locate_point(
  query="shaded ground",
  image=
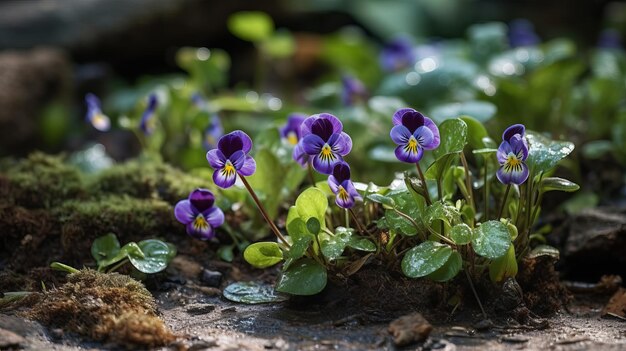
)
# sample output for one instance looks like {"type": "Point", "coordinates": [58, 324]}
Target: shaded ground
{"type": "Point", "coordinates": [209, 322]}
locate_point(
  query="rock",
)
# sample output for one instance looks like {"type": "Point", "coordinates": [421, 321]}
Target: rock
{"type": "Point", "coordinates": [211, 278]}
{"type": "Point", "coordinates": [616, 307]}
{"type": "Point", "coordinates": [599, 236]}
{"type": "Point", "coordinates": [10, 340]}
{"type": "Point", "coordinates": [29, 80]}
{"type": "Point", "coordinates": [200, 309]}
{"type": "Point", "coordinates": [187, 267]}
{"type": "Point", "coordinates": [410, 329]}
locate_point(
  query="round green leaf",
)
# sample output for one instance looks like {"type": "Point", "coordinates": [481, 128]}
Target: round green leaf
{"type": "Point", "coordinates": [461, 234]}
{"type": "Point", "coordinates": [105, 247]}
{"type": "Point", "coordinates": [312, 203]}
{"type": "Point", "coordinates": [425, 258]}
{"type": "Point", "coordinates": [453, 137]}
{"type": "Point", "coordinates": [156, 256]}
{"type": "Point", "coordinates": [251, 25]}
{"type": "Point", "coordinates": [449, 270]}
{"type": "Point", "coordinates": [313, 225]}
{"type": "Point", "coordinates": [361, 244]}
{"type": "Point", "coordinates": [475, 132]}
{"type": "Point", "coordinates": [263, 255]}
{"type": "Point", "coordinates": [491, 239]}
{"type": "Point", "coordinates": [281, 44]}
{"type": "Point", "coordinates": [299, 247]}
{"type": "Point", "coordinates": [560, 184]}
{"type": "Point", "coordinates": [303, 277]}
{"type": "Point", "coordinates": [381, 199]}
{"type": "Point", "coordinates": [253, 293]}
{"type": "Point", "coordinates": [333, 247]}
{"type": "Point", "coordinates": [544, 154]}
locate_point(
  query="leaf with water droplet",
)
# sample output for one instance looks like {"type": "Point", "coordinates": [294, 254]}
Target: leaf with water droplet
{"type": "Point", "coordinates": [263, 254]}
{"type": "Point", "coordinates": [253, 293]}
{"type": "Point", "coordinates": [425, 258]}
{"type": "Point", "coordinates": [544, 154]}
{"type": "Point", "coordinates": [156, 256]}
{"type": "Point", "coordinates": [491, 239]}
{"type": "Point", "coordinates": [303, 277]}
{"type": "Point", "coordinates": [449, 270]}
{"type": "Point", "coordinates": [461, 234]}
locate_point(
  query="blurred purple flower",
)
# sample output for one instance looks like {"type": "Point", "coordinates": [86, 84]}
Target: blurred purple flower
{"type": "Point", "coordinates": [397, 54]}
{"type": "Point", "coordinates": [149, 119]}
{"type": "Point", "coordinates": [199, 215]}
{"type": "Point", "coordinates": [291, 133]}
{"type": "Point", "coordinates": [353, 90]}
{"type": "Point", "coordinates": [413, 133]}
{"type": "Point", "coordinates": [323, 139]}
{"type": "Point", "coordinates": [341, 185]}
{"type": "Point", "coordinates": [212, 133]}
{"type": "Point", "coordinates": [522, 33]}
{"type": "Point", "coordinates": [610, 39]}
{"type": "Point", "coordinates": [512, 153]}
{"type": "Point", "coordinates": [231, 158]}
{"type": "Point", "coordinates": [94, 113]}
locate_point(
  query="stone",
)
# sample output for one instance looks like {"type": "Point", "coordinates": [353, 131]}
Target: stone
{"type": "Point", "coordinates": [410, 329]}
{"type": "Point", "coordinates": [211, 278]}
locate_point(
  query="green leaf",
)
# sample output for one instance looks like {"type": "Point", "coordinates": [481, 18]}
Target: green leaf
{"type": "Point", "coordinates": [461, 234]}
{"type": "Point", "coordinates": [303, 277]}
{"type": "Point", "coordinates": [476, 132]}
{"type": "Point", "coordinates": [333, 247]}
{"type": "Point", "coordinates": [425, 259]}
{"type": "Point", "coordinates": [263, 254]}
{"type": "Point", "coordinates": [312, 203]}
{"type": "Point", "coordinates": [361, 244]}
{"type": "Point", "coordinates": [503, 267]}
{"type": "Point", "coordinates": [156, 256]}
{"type": "Point", "coordinates": [313, 225]}
{"type": "Point", "coordinates": [105, 247]}
{"type": "Point", "coordinates": [491, 239]}
{"type": "Point", "coordinates": [481, 111]}
{"type": "Point", "coordinates": [280, 45]}
{"type": "Point", "coordinates": [544, 154]}
{"type": "Point", "coordinates": [440, 211]}
{"type": "Point", "coordinates": [544, 250]}
{"type": "Point", "coordinates": [251, 25]}
{"type": "Point", "coordinates": [555, 183]}
{"type": "Point", "coordinates": [299, 246]}
{"type": "Point", "coordinates": [386, 201]}
{"type": "Point", "coordinates": [449, 270]}
{"type": "Point", "coordinates": [225, 253]}
{"type": "Point", "coordinates": [453, 134]}
{"type": "Point", "coordinates": [253, 293]}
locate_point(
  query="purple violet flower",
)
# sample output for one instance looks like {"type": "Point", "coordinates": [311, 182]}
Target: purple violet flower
{"type": "Point", "coordinates": [212, 133]}
{"type": "Point", "coordinates": [522, 33]}
{"type": "Point", "coordinates": [291, 133]}
{"type": "Point", "coordinates": [342, 186]}
{"type": "Point", "coordinates": [231, 158]}
{"type": "Point", "coordinates": [397, 54]}
{"type": "Point", "coordinates": [512, 153]}
{"type": "Point", "coordinates": [413, 133]}
{"type": "Point", "coordinates": [353, 90]}
{"type": "Point", "coordinates": [149, 118]}
{"type": "Point", "coordinates": [94, 113]}
{"type": "Point", "coordinates": [323, 139]}
{"type": "Point", "coordinates": [610, 39]}
{"type": "Point", "coordinates": [199, 215]}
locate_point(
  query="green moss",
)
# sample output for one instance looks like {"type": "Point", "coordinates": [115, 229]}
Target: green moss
{"type": "Point", "coordinates": [40, 181]}
{"type": "Point", "coordinates": [148, 180]}
{"type": "Point", "coordinates": [105, 307]}
{"type": "Point", "coordinates": [129, 218]}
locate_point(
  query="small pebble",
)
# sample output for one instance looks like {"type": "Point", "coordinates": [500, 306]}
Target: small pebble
{"type": "Point", "coordinates": [211, 278]}
{"type": "Point", "coordinates": [485, 324]}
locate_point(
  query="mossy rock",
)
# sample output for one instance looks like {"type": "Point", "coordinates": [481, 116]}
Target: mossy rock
{"type": "Point", "coordinates": [148, 179]}
{"type": "Point", "coordinates": [129, 218]}
{"type": "Point", "coordinates": [40, 181]}
{"type": "Point", "coordinates": [109, 307]}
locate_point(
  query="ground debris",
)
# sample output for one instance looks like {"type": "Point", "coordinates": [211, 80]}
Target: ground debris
{"type": "Point", "coordinates": [410, 329]}
{"type": "Point", "coordinates": [10, 340]}
{"type": "Point", "coordinates": [616, 307]}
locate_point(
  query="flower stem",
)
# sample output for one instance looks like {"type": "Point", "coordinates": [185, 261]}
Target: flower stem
{"type": "Point", "coordinates": [424, 186]}
{"type": "Point", "coordinates": [358, 224]}
{"type": "Point", "coordinates": [468, 183]}
{"type": "Point", "coordinates": [347, 217]}
{"type": "Point", "coordinates": [506, 195]}
{"type": "Point", "coordinates": [118, 265]}
{"type": "Point", "coordinates": [310, 173]}
{"type": "Point", "coordinates": [471, 284]}
{"type": "Point", "coordinates": [263, 211]}
{"type": "Point", "coordinates": [486, 186]}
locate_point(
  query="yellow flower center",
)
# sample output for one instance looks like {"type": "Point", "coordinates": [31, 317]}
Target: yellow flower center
{"type": "Point", "coordinates": [327, 153]}
{"type": "Point", "coordinates": [412, 145]}
{"type": "Point", "coordinates": [343, 194]}
{"type": "Point", "coordinates": [200, 223]}
{"type": "Point", "coordinates": [292, 138]}
{"type": "Point", "coordinates": [513, 163]}
{"type": "Point", "coordinates": [228, 169]}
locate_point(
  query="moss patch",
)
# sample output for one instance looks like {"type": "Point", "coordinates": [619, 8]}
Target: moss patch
{"type": "Point", "coordinates": [105, 307]}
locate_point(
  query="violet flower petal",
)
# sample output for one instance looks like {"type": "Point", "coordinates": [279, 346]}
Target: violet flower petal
{"type": "Point", "coordinates": [184, 212]}
{"type": "Point", "coordinates": [201, 199]}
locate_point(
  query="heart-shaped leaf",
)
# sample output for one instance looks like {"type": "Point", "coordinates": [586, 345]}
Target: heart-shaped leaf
{"type": "Point", "coordinates": [449, 270]}
{"type": "Point", "coordinates": [491, 239]}
{"type": "Point", "coordinates": [263, 254]}
{"type": "Point", "coordinates": [253, 293]}
{"type": "Point", "coordinates": [303, 277]}
{"type": "Point", "coordinates": [425, 258]}
{"type": "Point", "coordinates": [156, 256]}
{"type": "Point", "coordinates": [105, 247]}
{"type": "Point", "coordinates": [544, 154]}
{"type": "Point", "coordinates": [299, 247]}
{"type": "Point", "coordinates": [333, 247]}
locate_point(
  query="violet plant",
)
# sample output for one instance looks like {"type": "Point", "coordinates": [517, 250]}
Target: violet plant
{"type": "Point", "coordinates": [435, 224]}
